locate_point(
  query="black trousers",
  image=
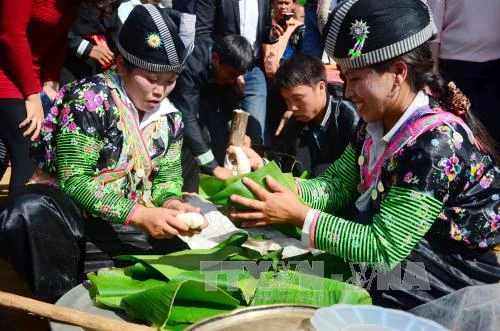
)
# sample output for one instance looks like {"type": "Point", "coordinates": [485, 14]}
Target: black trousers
{"type": "Point", "coordinates": [51, 243]}
{"type": "Point", "coordinates": [13, 112]}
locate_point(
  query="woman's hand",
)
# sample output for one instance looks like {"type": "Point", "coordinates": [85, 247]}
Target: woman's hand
{"type": "Point", "coordinates": [102, 54]}
{"type": "Point", "coordinates": [222, 173]}
{"type": "Point", "coordinates": [161, 223]}
{"type": "Point", "coordinates": [184, 207]}
{"type": "Point", "coordinates": [50, 88]}
{"type": "Point", "coordinates": [34, 116]}
{"type": "Point", "coordinates": [278, 206]}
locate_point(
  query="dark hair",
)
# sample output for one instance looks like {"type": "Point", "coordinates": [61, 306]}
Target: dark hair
{"type": "Point", "coordinates": [234, 51]}
{"type": "Point", "coordinates": [129, 66]}
{"type": "Point", "coordinates": [105, 7]}
{"type": "Point", "coordinates": [300, 69]}
{"type": "Point", "coordinates": [421, 74]}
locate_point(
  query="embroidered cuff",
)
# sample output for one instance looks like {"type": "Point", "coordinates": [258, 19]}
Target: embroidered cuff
{"type": "Point", "coordinates": [204, 158]}
{"type": "Point", "coordinates": [298, 188]}
{"type": "Point", "coordinates": [309, 227]}
{"type": "Point", "coordinates": [131, 214]}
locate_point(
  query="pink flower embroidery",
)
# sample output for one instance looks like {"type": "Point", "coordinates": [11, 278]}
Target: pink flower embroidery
{"type": "Point", "coordinates": [452, 168]}
{"type": "Point", "coordinates": [105, 209]}
{"type": "Point", "coordinates": [485, 182]}
{"type": "Point", "coordinates": [54, 111]}
{"type": "Point", "coordinates": [90, 106]}
{"type": "Point", "coordinates": [49, 126]}
{"type": "Point", "coordinates": [72, 126]}
{"type": "Point", "coordinates": [92, 100]}
{"type": "Point", "coordinates": [65, 111]}
{"type": "Point", "coordinates": [98, 100]}
{"type": "Point", "coordinates": [89, 95]}
{"type": "Point", "coordinates": [495, 223]}
{"type": "Point", "coordinates": [408, 177]}
{"type": "Point", "coordinates": [442, 216]}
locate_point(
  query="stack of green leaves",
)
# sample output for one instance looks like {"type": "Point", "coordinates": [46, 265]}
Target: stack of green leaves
{"type": "Point", "coordinates": [175, 290]}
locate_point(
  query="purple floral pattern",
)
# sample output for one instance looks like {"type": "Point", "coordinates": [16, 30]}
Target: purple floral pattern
{"type": "Point", "coordinates": [446, 163]}
{"type": "Point", "coordinates": [86, 119]}
{"type": "Point", "coordinates": [452, 167]}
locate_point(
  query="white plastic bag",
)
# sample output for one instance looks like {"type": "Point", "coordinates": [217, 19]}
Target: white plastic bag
{"type": "Point", "coordinates": [471, 308]}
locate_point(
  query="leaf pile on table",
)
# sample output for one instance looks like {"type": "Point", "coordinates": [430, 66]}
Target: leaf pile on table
{"type": "Point", "coordinates": [176, 290]}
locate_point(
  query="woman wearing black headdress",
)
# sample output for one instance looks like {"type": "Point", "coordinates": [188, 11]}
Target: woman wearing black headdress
{"type": "Point", "coordinates": [111, 145]}
{"type": "Point", "coordinates": [421, 173]}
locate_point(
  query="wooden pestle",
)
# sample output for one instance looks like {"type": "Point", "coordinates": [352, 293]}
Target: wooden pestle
{"type": "Point", "coordinates": [67, 315]}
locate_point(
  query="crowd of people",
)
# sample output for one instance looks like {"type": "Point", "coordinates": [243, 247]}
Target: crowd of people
{"type": "Point", "coordinates": [111, 109]}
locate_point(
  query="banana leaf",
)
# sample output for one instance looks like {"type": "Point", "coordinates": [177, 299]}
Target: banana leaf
{"type": "Point", "coordinates": [159, 305]}
{"type": "Point", "coordinates": [111, 285]}
{"type": "Point", "coordinates": [218, 191]}
{"type": "Point", "coordinates": [178, 293]}
{"type": "Point", "coordinates": [289, 286]}
{"type": "Point", "coordinates": [207, 265]}
{"type": "Point", "coordinates": [176, 263]}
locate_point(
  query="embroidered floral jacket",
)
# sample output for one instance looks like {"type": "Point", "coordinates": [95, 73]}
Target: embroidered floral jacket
{"type": "Point", "coordinates": [92, 147]}
{"type": "Point", "coordinates": [432, 175]}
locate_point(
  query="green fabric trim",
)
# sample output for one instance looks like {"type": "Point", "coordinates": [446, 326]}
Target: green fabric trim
{"type": "Point", "coordinates": [77, 157]}
{"type": "Point", "coordinates": [404, 218]}
{"type": "Point", "coordinates": [336, 188]}
{"type": "Point", "coordinates": [168, 182]}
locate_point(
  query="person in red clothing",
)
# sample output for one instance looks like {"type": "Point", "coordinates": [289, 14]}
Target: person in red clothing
{"type": "Point", "coordinates": [33, 37]}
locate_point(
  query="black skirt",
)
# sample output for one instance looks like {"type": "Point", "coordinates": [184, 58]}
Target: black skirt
{"type": "Point", "coordinates": [51, 243]}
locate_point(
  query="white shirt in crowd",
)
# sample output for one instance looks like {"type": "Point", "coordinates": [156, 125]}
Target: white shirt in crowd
{"type": "Point", "coordinates": [249, 20]}
{"type": "Point", "coordinates": [126, 8]}
{"type": "Point", "coordinates": [468, 30]}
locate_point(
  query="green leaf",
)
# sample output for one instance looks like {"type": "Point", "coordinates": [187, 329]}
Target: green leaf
{"type": "Point", "coordinates": [141, 270]}
{"type": "Point", "coordinates": [176, 263]}
{"type": "Point", "coordinates": [156, 305]}
{"type": "Point", "coordinates": [218, 191]}
{"type": "Point", "coordinates": [111, 285]}
{"type": "Point", "coordinates": [296, 287]}
{"type": "Point", "coordinates": [192, 294]}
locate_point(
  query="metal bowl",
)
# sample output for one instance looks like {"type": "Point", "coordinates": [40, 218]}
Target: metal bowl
{"type": "Point", "coordinates": [78, 298]}
{"type": "Point", "coordinates": [277, 317]}
{"type": "Point", "coordinates": [266, 317]}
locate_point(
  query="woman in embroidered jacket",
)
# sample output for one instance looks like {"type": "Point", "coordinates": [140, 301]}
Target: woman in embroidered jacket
{"type": "Point", "coordinates": [424, 185]}
{"type": "Point", "coordinates": [112, 144]}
